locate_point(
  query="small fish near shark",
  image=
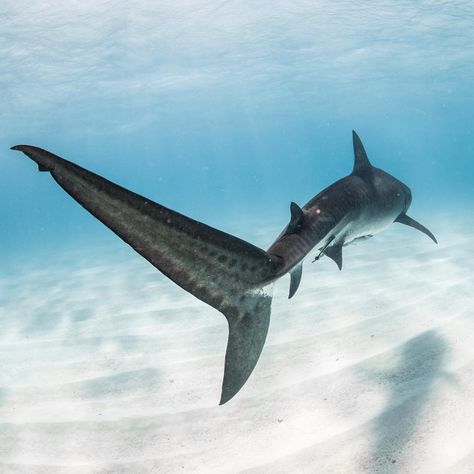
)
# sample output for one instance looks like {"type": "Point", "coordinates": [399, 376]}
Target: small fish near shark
{"type": "Point", "coordinates": [229, 274]}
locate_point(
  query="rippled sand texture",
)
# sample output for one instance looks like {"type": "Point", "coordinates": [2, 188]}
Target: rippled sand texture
{"type": "Point", "coordinates": [106, 366]}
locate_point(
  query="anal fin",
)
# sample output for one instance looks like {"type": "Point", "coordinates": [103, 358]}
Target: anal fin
{"type": "Point", "coordinates": [295, 279]}
{"type": "Point", "coordinates": [407, 220]}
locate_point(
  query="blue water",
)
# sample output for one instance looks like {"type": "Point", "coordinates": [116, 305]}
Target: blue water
{"type": "Point", "coordinates": [227, 111]}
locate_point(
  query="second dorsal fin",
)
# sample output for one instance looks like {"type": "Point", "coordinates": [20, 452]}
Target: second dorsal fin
{"type": "Point", "coordinates": [296, 219]}
{"type": "Point", "coordinates": [361, 162]}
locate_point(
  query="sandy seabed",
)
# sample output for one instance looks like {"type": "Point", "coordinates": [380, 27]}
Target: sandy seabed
{"type": "Point", "coordinates": [107, 366]}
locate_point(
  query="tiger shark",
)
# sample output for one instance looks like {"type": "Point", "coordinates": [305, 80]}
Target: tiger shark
{"type": "Point", "coordinates": [230, 274]}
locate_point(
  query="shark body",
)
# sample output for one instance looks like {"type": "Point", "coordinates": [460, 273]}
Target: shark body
{"type": "Point", "coordinates": [229, 274]}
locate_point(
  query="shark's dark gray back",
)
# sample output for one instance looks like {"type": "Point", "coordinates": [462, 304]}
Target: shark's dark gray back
{"type": "Point", "coordinates": [368, 195]}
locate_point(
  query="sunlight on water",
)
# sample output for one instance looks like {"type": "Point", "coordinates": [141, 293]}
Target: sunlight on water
{"type": "Point", "coordinates": [227, 111]}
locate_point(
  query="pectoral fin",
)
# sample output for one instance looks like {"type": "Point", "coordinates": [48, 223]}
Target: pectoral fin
{"type": "Point", "coordinates": [407, 220]}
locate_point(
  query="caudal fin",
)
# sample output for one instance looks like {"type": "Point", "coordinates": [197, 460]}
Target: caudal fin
{"type": "Point", "coordinates": [248, 327]}
{"type": "Point", "coordinates": [222, 270]}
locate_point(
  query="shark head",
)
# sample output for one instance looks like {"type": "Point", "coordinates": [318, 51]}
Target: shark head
{"type": "Point", "coordinates": [383, 182]}
{"type": "Point", "coordinates": [407, 195]}
{"type": "Point", "coordinates": [400, 193]}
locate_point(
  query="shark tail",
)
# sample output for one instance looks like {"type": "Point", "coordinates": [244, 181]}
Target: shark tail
{"type": "Point", "coordinates": [224, 271]}
{"type": "Point", "coordinates": [248, 328]}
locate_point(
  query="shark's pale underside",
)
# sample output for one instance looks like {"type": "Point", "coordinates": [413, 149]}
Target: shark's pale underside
{"type": "Point", "coordinates": [229, 274]}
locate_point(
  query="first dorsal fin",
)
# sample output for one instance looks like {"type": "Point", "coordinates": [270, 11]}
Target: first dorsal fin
{"type": "Point", "coordinates": [296, 218]}
{"type": "Point", "coordinates": [361, 162]}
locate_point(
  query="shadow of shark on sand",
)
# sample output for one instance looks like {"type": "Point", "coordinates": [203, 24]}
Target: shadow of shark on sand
{"type": "Point", "coordinates": [410, 386]}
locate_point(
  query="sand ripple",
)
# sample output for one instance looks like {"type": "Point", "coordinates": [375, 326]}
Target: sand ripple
{"type": "Point", "coordinates": [108, 367]}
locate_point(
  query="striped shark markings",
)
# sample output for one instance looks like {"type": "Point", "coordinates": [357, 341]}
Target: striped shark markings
{"type": "Point", "coordinates": [228, 273]}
